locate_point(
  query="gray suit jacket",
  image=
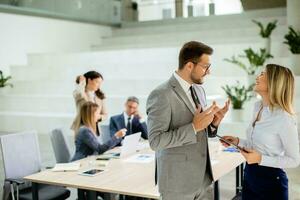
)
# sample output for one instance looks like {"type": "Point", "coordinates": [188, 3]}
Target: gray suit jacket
{"type": "Point", "coordinates": [181, 155]}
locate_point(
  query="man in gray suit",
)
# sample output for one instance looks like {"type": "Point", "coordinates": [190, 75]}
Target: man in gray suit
{"type": "Point", "coordinates": [178, 127]}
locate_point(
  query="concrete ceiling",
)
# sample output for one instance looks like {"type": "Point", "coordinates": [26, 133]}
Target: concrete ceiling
{"type": "Point", "coordinates": [262, 4]}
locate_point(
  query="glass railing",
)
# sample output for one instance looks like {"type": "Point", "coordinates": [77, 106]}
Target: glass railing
{"type": "Point", "coordinates": [168, 9]}
{"type": "Point", "coordinates": [114, 12]}
{"type": "Point", "coordinates": [91, 11]}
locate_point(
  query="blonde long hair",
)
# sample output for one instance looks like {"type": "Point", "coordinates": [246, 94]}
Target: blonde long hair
{"type": "Point", "coordinates": [87, 116]}
{"type": "Point", "coordinates": [281, 86]}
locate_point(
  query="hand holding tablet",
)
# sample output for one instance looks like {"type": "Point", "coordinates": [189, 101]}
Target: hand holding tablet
{"type": "Point", "coordinates": [230, 142]}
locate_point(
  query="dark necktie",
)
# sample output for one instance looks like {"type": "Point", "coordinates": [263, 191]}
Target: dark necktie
{"type": "Point", "coordinates": [129, 127]}
{"type": "Point", "coordinates": [195, 97]}
{"type": "Point", "coordinates": [196, 100]}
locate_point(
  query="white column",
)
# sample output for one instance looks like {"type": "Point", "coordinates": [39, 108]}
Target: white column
{"type": "Point", "coordinates": [293, 13]}
{"type": "Point", "coordinates": [179, 8]}
{"type": "Point", "coordinates": [293, 19]}
{"type": "Point", "coordinates": [126, 10]}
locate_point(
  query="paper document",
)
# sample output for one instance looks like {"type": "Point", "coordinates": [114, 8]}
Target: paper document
{"type": "Point", "coordinates": [62, 167]}
{"type": "Point", "coordinates": [141, 158]}
{"type": "Point", "coordinates": [102, 163]}
{"type": "Point", "coordinates": [213, 162]}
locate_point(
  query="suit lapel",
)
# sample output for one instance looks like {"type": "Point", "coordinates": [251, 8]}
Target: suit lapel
{"type": "Point", "coordinates": [181, 93]}
{"type": "Point", "coordinates": [122, 120]}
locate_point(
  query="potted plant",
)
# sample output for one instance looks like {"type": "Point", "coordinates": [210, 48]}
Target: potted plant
{"type": "Point", "coordinates": [292, 38]}
{"type": "Point", "coordinates": [4, 82]}
{"type": "Point", "coordinates": [265, 32]}
{"type": "Point", "coordinates": [255, 59]}
{"type": "Point", "coordinates": [238, 95]}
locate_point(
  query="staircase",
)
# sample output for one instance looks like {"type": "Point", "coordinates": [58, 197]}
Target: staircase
{"type": "Point", "coordinates": [133, 61]}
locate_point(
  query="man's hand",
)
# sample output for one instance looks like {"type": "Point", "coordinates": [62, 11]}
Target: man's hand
{"type": "Point", "coordinates": [138, 114]}
{"type": "Point", "coordinates": [203, 119]}
{"type": "Point", "coordinates": [221, 114]}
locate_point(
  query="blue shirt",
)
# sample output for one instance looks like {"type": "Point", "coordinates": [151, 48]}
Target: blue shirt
{"type": "Point", "coordinates": [275, 136]}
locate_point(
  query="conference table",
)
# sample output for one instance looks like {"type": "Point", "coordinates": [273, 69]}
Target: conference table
{"type": "Point", "coordinates": [126, 177]}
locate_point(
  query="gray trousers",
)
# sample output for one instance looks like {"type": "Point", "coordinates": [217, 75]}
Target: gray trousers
{"type": "Point", "coordinates": [201, 194]}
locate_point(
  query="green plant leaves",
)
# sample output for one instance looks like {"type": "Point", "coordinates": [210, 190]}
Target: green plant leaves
{"type": "Point", "coordinates": [266, 32]}
{"type": "Point", "coordinates": [238, 94]}
{"type": "Point", "coordinates": [4, 80]}
{"type": "Point", "coordinates": [255, 59]}
{"type": "Point", "coordinates": [292, 38]}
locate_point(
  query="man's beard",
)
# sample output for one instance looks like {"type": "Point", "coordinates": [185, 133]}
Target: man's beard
{"type": "Point", "coordinates": [197, 81]}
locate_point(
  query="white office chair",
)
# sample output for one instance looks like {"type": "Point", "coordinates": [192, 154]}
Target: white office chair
{"type": "Point", "coordinates": [21, 157]}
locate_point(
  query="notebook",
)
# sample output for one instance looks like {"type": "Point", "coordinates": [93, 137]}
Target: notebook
{"type": "Point", "coordinates": [63, 167]}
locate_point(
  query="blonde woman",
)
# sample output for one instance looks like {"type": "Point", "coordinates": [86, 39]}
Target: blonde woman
{"type": "Point", "coordinates": [88, 89]}
{"type": "Point", "coordinates": [272, 137]}
{"type": "Point", "coordinates": [86, 142]}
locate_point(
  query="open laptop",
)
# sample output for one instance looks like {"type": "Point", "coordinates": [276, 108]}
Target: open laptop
{"type": "Point", "coordinates": [130, 144]}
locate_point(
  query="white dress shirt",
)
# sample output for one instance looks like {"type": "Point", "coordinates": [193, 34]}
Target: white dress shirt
{"type": "Point", "coordinates": [126, 118]}
{"type": "Point", "coordinates": [201, 95]}
{"type": "Point", "coordinates": [275, 136]}
{"type": "Point", "coordinates": [186, 88]}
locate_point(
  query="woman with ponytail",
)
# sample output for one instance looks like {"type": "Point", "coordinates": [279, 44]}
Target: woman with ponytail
{"type": "Point", "coordinates": [88, 90]}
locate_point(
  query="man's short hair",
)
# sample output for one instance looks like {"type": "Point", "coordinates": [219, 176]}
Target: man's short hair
{"type": "Point", "coordinates": [192, 51]}
{"type": "Point", "coordinates": [133, 99]}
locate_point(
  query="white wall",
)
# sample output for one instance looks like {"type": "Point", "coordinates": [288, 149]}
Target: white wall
{"type": "Point", "coordinates": [20, 35]}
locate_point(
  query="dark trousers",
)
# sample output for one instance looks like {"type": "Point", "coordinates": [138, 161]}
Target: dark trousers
{"type": "Point", "coordinates": [264, 183]}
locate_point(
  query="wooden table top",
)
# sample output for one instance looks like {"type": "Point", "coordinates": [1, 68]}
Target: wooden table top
{"type": "Point", "coordinates": [121, 177]}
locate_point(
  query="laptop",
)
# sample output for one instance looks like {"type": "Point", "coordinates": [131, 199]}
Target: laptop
{"type": "Point", "coordinates": [130, 144]}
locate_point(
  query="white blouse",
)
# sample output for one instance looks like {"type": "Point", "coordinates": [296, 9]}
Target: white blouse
{"type": "Point", "coordinates": [275, 136]}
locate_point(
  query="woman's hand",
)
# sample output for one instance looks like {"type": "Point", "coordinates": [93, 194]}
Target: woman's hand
{"type": "Point", "coordinates": [252, 157]}
{"type": "Point", "coordinates": [234, 140]}
{"type": "Point", "coordinates": [81, 78]}
{"type": "Point", "coordinates": [121, 133]}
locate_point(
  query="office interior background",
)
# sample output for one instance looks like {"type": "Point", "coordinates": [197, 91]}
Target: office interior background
{"type": "Point", "coordinates": [45, 44]}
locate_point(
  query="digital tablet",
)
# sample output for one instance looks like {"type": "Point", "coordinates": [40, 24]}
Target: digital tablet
{"type": "Point", "coordinates": [230, 143]}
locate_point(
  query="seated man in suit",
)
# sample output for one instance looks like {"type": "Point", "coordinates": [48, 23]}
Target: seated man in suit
{"type": "Point", "coordinates": [130, 119]}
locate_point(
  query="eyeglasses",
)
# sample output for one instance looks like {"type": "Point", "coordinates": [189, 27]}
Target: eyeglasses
{"type": "Point", "coordinates": [206, 67]}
